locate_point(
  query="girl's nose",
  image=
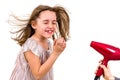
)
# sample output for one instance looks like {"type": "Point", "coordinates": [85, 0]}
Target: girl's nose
{"type": "Point", "coordinates": [50, 25]}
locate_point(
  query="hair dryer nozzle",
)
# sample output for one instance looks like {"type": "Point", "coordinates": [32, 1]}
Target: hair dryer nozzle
{"type": "Point", "coordinates": [108, 51]}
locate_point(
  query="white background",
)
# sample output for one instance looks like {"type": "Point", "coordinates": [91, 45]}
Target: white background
{"type": "Point", "coordinates": [97, 20]}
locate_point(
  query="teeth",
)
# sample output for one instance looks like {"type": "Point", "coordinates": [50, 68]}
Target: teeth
{"type": "Point", "coordinates": [49, 31]}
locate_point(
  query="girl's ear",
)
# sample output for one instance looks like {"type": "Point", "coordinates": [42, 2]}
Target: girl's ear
{"type": "Point", "coordinates": [33, 24]}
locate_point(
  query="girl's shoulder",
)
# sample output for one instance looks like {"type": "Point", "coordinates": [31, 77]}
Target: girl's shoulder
{"type": "Point", "coordinates": [30, 40]}
{"type": "Point", "coordinates": [31, 45]}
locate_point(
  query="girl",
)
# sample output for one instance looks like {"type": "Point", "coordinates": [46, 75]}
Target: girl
{"type": "Point", "coordinates": [37, 55]}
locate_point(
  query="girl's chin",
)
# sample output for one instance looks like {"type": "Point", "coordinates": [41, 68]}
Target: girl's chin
{"type": "Point", "coordinates": [48, 36]}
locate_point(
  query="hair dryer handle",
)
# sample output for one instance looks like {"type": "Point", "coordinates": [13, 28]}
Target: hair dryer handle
{"type": "Point", "coordinates": [100, 70]}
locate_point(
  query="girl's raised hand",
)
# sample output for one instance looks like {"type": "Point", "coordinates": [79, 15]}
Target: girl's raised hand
{"type": "Point", "coordinates": [59, 46]}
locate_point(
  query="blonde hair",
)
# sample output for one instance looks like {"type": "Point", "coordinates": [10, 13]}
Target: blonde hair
{"type": "Point", "coordinates": [27, 31]}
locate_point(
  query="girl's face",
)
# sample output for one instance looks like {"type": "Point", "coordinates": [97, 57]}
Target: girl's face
{"type": "Point", "coordinates": [46, 24]}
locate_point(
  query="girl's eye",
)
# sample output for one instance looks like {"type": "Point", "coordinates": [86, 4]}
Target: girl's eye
{"type": "Point", "coordinates": [54, 23]}
{"type": "Point", "coordinates": [45, 22]}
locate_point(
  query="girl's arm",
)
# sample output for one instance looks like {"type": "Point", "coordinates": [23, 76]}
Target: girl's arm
{"type": "Point", "coordinates": [34, 62]}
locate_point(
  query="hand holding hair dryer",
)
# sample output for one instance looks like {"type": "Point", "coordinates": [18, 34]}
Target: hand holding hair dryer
{"type": "Point", "coordinates": [109, 52]}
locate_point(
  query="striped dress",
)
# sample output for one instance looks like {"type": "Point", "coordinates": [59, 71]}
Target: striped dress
{"type": "Point", "coordinates": [22, 70]}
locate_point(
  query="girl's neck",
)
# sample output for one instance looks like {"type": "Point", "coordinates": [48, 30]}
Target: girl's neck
{"type": "Point", "coordinates": [42, 41]}
{"type": "Point", "coordinates": [39, 38]}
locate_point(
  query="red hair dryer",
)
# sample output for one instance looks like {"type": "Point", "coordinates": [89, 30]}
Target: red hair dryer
{"type": "Point", "coordinates": [109, 52]}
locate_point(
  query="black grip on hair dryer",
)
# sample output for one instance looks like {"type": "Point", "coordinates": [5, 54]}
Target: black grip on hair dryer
{"type": "Point", "coordinates": [109, 52]}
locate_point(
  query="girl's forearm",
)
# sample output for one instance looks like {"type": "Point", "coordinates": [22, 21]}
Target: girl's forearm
{"type": "Point", "coordinates": [44, 68]}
